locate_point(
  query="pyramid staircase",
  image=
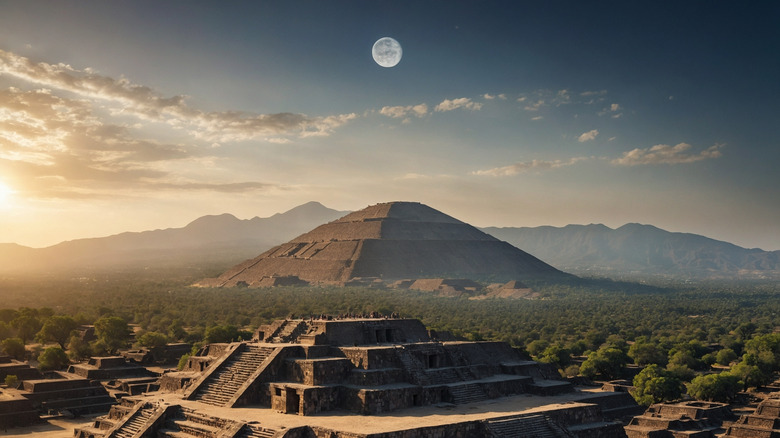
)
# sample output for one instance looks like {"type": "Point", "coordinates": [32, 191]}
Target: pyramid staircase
{"type": "Point", "coordinates": [187, 423]}
{"type": "Point", "coordinates": [413, 367]}
{"type": "Point", "coordinates": [288, 331]}
{"type": "Point", "coordinates": [136, 423]}
{"type": "Point", "coordinates": [536, 426]}
{"type": "Point", "coordinates": [222, 385]}
{"type": "Point", "coordinates": [467, 393]}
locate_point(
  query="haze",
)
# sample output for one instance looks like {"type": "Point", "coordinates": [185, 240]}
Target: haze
{"type": "Point", "coordinates": [141, 115]}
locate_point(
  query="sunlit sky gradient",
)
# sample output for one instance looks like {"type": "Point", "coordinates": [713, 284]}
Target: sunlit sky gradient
{"type": "Point", "coordinates": [129, 116]}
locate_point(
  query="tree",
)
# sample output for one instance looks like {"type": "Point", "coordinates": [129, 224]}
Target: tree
{"type": "Point", "coordinates": [155, 342]}
{"type": "Point", "coordinates": [13, 347]}
{"type": "Point", "coordinates": [221, 333]}
{"type": "Point", "coordinates": [26, 325]}
{"type": "Point", "coordinates": [607, 362]}
{"type": "Point", "coordinates": [721, 387]}
{"type": "Point", "coordinates": [58, 329]}
{"type": "Point", "coordinates": [725, 356]}
{"type": "Point", "coordinates": [112, 333]}
{"type": "Point", "coordinates": [653, 385]}
{"type": "Point", "coordinates": [52, 358]}
{"type": "Point", "coordinates": [646, 353]}
{"type": "Point", "coordinates": [556, 354]}
{"type": "Point", "coordinates": [750, 375]}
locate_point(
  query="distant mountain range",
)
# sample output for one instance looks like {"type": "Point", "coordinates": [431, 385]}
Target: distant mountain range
{"type": "Point", "coordinates": [213, 243]}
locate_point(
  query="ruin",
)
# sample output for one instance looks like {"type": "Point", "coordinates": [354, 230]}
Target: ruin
{"type": "Point", "coordinates": [390, 241]}
{"type": "Point", "coordinates": [763, 423]}
{"type": "Point", "coordinates": [302, 377]}
{"type": "Point", "coordinates": [684, 419]}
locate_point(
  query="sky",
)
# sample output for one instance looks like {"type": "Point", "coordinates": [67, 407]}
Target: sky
{"type": "Point", "coordinates": [132, 116]}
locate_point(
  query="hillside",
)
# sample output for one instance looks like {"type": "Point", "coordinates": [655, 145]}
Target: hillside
{"type": "Point", "coordinates": [215, 243]}
{"type": "Point", "coordinates": [640, 250]}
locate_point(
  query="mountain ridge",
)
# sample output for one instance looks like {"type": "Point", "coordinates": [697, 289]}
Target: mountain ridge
{"type": "Point", "coordinates": [222, 240]}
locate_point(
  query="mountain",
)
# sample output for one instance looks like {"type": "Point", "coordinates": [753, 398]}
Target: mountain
{"type": "Point", "coordinates": [640, 250]}
{"type": "Point", "coordinates": [214, 243]}
{"type": "Point", "coordinates": [220, 240]}
{"type": "Point", "coordinates": [391, 241]}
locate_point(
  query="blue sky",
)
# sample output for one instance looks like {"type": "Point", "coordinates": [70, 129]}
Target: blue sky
{"type": "Point", "coordinates": [142, 115]}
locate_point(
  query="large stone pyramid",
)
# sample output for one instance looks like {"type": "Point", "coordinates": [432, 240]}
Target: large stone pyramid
{"type": "Point", "coordinates": [395, 240]}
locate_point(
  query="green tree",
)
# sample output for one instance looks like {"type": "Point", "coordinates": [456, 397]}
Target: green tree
{"type": "Point", "coordinates": [52, 358]}
{"type": "Point", "coordinates": [556, 354]}
{"type": "Point", "coordinates": [646, 353]}
{"type": "Point", "coordinates": [112, 333]}
{"type": "Point", "coordinates": [14, 347]}
{"type": "Point", "coordinates": [78, 349]}
{"type": "Point", "coordinates": [221, 333]}
{"type": "Point", "coordinates": [721, 387]}
{"type": "Point", "coordinates": [155, 342]}
{"type": "Point", "coordinates": [750, 375]}
{"type": "Point", "coordinates": [26, 325]}
{"type": "Point", "coordinates": [606, 362]}
{"type": "Point", "coordinates": [57, 328]}
{"type": "Point", "coordinates": [653, 385]}
{"type": "Point", "coordinates": [725, 356]}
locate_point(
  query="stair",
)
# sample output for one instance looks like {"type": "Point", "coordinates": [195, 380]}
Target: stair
{"type": "Point", "coordinates": [189, 425]}
{"type": "Point", "coordinates": [537, 426]}
{"type": "Point", "coordinates": [413, 367]}
{"type": "Point", "coordinates": [441, 376]}
{"type": "Point", "coordinates": [289, 331]}
{"type": "Point", "coordinates": [223, 383]}
{"type": "Point", "coordinates": [135, 424]}
{"type": "Point", "coordinates": [467, 393]}
{"type": "Point", "coordinates": [255, 432]}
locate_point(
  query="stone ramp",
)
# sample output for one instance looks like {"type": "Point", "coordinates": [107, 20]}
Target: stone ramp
{"type": "Point", "coordinates": [222, 385]}
{"type": "Point", "coordinates": [536, 426]}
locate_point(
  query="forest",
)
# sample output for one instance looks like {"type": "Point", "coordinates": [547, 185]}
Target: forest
{"type": "Point", "coordinates": [709, 339]}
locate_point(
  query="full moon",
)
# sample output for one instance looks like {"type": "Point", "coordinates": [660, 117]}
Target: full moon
{"type": "Point", "coordinates": [387, 52]}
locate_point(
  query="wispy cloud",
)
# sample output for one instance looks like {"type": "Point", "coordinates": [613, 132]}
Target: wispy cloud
{"type": "Point", "coordinates": [665, 154]}
{"type": "Point", "coordinates": [514, 169]}
{"type": "Point", "coordinates": [488, 96]}
{"type": "Point", "coordinates": [614, 110]}
{"type": "Point", "coordinates": [146, 103]}
{"type": "Point", "coordinates": [400, 112]}
{"type": "Point", "coordinates": [453, 104]}
{"type": "Point", "coordinates": [588, 136]}
{"type": "Point", "coordinates": [54, 147]}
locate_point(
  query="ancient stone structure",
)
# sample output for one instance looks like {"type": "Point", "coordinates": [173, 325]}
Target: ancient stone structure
{"type": "Point", "coordinates": [396, 240]}
{"type": "Point", "coordinates": [764, 423]}
{"type": "Point", "coordinates": [369, 366]}
{"type": "Point", "coordinates": [695, 419]}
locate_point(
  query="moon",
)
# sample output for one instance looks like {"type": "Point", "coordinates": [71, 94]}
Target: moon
{"type": "Point", "coordinates": [387, 52]}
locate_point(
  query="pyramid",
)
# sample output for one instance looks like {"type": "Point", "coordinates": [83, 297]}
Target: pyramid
{"type": "Point", "coordinates": [395, 240]}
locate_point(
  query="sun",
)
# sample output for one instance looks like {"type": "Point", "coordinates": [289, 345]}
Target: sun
{"type": "Point", "coordinates": [6, 193]}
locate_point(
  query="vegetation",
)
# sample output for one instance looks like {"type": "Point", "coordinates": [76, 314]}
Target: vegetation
{"type": "Point", "coordinates": [677, 332]}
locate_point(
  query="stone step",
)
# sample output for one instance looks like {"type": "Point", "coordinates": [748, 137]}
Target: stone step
{"type": "Point", "coordinates": [532, 426]}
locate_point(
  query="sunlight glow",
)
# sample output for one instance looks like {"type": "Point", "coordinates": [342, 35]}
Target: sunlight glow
{"type": "Point", "coordinates": [6, 195]}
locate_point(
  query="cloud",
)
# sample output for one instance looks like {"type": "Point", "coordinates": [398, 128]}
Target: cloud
{"type": "Point", "coordinates": [55, 147]}
{"type": "Point", "coordinates": [514, 169]}
{"type": "Point", "coordinates": [588, 136]}
{"type": "Point", "coordinates": [613, 109]}
{"type": "Point", "coordinates": [146, 103]}
{"type": "Point", "coordinates": [537, 118]}
{"type": "Point", "coordinates": [400, 112]}
{"type": "Point", "coordinates": [488, 96]}
{"type": "Point", "coordinates": [665, 154]}
{"type": "Point", "coordinates": [463, 102]}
